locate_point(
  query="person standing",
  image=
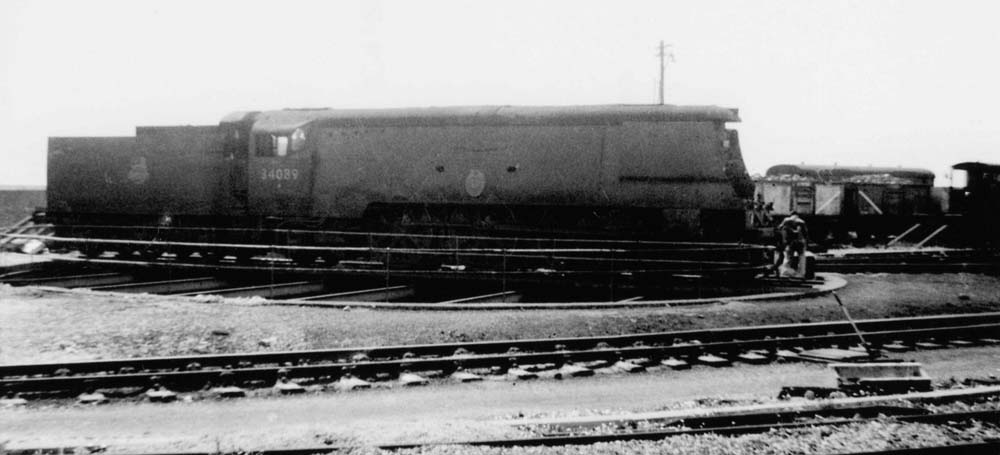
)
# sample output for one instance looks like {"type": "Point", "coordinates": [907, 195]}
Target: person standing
{"type": "Point", "coordinates": [795, 233]}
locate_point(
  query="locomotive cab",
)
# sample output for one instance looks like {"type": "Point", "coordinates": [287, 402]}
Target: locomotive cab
{"type": "Point", "coordinates": [974, 188]}
{"type": "Point", "coordinates": [280, 168]}
{"type": "Point", "coordinates": [958, 190]}
{"type": "Point", "coordinates": [235, 132]}
{"type": "Point", "coordinates": [975, 194]}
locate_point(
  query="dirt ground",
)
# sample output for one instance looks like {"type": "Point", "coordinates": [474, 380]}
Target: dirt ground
{"type": "Point", "coordinates": [44, 326]}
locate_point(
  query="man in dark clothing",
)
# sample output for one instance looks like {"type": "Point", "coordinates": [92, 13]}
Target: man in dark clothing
{"type": "Point", "coordinates": [796, 236]}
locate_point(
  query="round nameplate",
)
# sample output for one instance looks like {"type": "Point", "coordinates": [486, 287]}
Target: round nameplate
{"type": "Point", "coordinates": [475, 183]}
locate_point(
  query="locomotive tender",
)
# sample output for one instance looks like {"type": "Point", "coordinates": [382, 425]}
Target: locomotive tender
{"type": "Point", "coordinates": [659, 171]}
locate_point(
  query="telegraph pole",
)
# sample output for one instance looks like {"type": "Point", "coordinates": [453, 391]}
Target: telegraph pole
{"type": "Point", "coordinates": [664, 53]}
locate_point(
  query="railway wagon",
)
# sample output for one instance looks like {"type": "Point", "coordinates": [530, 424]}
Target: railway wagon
{"type": "Point", "coordinates": [842, 202]}
{"type": "Point", "coordinates": [661, 171]}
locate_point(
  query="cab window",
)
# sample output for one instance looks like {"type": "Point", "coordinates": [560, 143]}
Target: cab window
{"type": "Point", "coordinates": [271, 145]}
{"type": "Point", "coordinates": [298, 140]}
{"type": "Point", "coordinates": [959, 179]}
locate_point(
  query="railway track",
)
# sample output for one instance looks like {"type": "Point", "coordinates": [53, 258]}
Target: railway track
{"type": "Point", "coordinates": [439, 291]}
{"type": "Point", "coordinates": [731, 425]}
{"type": "Point", "coordinates": [350, 368]}
{"type": "Point", "coordinates": [406, 254]}
{"type": "Point", "coordinates": [927, 260]}
{"type": "Point", "coordinates": [454, 285]}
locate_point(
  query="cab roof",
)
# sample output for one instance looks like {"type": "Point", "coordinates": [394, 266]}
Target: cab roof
{"type": "Point", "coordinates": [976, 166]}
{"type": "Point", "coordinates": [289, 119]}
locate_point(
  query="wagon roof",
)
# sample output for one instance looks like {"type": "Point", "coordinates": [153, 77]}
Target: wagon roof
{"type": "Point", "coordinates": [826, 172]}
{"type": "Point", "coordinates": [975, 165]}
{"type": "Point", "coordinates": [289, 119]}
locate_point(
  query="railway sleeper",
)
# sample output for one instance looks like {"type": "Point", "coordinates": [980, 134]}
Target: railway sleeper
{"type": "Point", "coordinates": [160, 394]}
{"type": "Point", "coordinates": [287, 387]}
{"type": "Point", "coordinates": [643, 361]}
{"type": "Point", "coordinates": [754, 358]}
{"type": "Point", "coordinates": [91, 397]}
{"type": "Point", "coordinates": [351, 382]}
{"type": "Point", "coordinates": [676, 364]}
{"type": "Point", "coordinates": [465, 376]}
{"type": "Point", "coordinates": [539, 367]}
{"type": "Point", "coordinates": [228, 392]}
{"type": "Point", "coordinates": [408, 379]}
{"type": "Point", "coordinates": [714, 360]}
{"type": "Point", "coordinates": [625, 366]}
{"type": "Point", "coordinates": [573, 371]}
{"type": "Point", "coordinates": [960, 343]}
{"type": "Point", "coordinates": [521, 374]}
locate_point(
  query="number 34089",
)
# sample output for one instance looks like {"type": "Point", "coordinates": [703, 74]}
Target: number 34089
{"type": "Point", "coordinates": [279, 174]}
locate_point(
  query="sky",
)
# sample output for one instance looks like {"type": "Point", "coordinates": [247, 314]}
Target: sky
{"type": "Point", "coordinates": [883, 83]}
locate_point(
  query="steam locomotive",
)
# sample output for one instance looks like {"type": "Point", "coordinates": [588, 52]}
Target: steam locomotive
{"type": "Point", "coordinates": [669, 172]}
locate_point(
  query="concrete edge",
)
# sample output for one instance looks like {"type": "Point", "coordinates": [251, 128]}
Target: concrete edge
{"type": "Point", "coordinates": [16, 262]}
{"type": "Point", "coordinates": [832, 282]}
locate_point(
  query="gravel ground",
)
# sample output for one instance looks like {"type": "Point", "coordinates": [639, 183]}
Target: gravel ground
{"type": "Point", "coordinates": [864, 437]}
{"type": "Point", "coordinates": [43, 326]}
{"type": "Point", "coordinates": [988, 404]}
